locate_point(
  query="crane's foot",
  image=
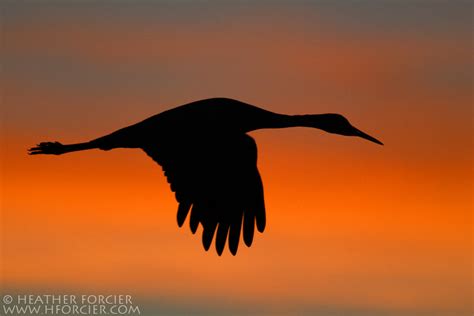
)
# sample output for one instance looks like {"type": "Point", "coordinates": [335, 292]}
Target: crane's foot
{"type": "Point", "coordinates": [47, 148]}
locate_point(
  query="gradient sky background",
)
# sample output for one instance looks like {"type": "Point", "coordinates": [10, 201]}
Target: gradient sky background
{"type": "Point", "coordinates": [353, 228]}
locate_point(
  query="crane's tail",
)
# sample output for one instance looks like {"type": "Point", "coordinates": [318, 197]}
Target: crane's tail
{"type": "Point", "coordinates": [47, 148]}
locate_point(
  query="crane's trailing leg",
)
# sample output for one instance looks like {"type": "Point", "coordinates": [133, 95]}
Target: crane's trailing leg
{"type": "Point", "coordinates": [123, 138]}
{"type": "Point", "coordinates": [56, 148]}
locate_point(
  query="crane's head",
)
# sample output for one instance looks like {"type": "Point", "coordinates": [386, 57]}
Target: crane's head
{"type": "Point", "coordinates": [338, 124]}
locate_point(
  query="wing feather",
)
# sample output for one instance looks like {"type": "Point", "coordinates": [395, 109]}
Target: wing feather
{"type": "Point", "coordinates": [218, 184]}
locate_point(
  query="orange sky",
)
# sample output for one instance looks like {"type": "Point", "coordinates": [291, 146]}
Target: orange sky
{"type": "Point", "coordinates": [353, 228]}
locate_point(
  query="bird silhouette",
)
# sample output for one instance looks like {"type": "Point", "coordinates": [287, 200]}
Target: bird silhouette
{"type": "Point", "coordinates": [210, 161]}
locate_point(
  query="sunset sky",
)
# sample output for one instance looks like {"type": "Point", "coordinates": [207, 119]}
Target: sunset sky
{"type": "Point", "coordinates": [353, 228]}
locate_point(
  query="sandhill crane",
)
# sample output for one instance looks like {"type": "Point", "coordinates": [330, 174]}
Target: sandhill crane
{"type": "Point", "coordinates": [210, 161]}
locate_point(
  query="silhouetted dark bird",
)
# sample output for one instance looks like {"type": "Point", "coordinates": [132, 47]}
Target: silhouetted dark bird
{"type": "Point", "coordinates": [210, 161]}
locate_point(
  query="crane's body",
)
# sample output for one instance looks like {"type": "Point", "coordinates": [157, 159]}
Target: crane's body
{"type": "Point", "coordinates": [210, 161]}
{"type": "Point", "coordinates": [210, 118]}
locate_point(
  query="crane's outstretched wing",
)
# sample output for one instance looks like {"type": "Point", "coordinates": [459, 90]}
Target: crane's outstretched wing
{"type": "Point", "coordinates": [216, 178]}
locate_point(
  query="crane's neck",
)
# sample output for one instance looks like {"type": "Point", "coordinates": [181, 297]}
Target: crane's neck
{"type": "Point", "coordinates": [283, 121]}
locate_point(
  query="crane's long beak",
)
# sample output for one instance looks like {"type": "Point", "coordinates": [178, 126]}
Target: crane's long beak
{"type": "Point", "coordinates": [360, 133]}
